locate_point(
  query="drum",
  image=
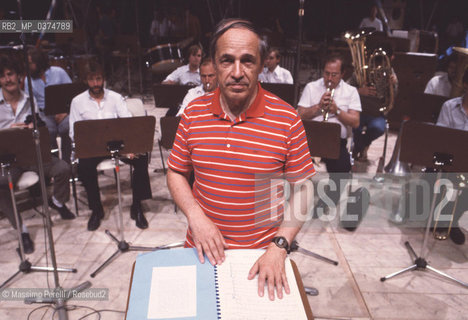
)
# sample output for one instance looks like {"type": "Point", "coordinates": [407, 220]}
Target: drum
{"type": "Point", "coordinates": [79, 65]}
{"type": "Point", "coordinates": [164, 58]}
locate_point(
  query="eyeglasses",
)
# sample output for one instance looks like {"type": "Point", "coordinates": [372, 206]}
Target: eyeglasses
{"type": "Point", "coordinates": [332, 74]}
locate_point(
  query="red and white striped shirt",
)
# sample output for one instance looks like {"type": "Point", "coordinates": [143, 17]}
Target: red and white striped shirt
{"type": "Point", "coordinates": [234, 163]}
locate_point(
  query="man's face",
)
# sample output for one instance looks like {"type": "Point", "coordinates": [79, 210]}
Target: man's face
{"type": "Point", "coordinates": [208, 77]}
{"type": "Point", "coordinates": [271, 61]}
{"type": "Point", "coordinates": [9, 81]}
{"type": "Point", "coordinates": [332, 74]}
{"type": "Point", "coordinates": [195, 59]}
{"type": "Point", "coordinates": [237, 64]}
{"type": "Point", "coordinates": [452, 70]}
{"type": "Point", "coordinates": [95, 84]}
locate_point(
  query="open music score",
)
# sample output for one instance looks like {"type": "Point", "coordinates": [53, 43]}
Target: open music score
{"type": "Point", "coordinates": [173, 284]}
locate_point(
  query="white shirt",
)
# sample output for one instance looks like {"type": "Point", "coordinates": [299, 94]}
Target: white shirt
{"type": "Point", "coordinates": [279, 75]}
{"type": "Point", "coordinates": [7, 117]}
{"type": "Point", "coordinates": [439, 85]}
{"type": "Point", "coordinates": [85, 107]}
{"type": "Point", "coordinates": [191, 95]}
{"type": "Point", "coordinates": [346, 98]}
{"type": "Point", "coordinates": [183, 75]}
{"type": "Point", "coordinates": [453, 115]}
{"type": "Point", "coordinates": [368, 23]}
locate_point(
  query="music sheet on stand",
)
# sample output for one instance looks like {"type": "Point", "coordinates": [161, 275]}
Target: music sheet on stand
{"type": "Point", "coordinates": [238, 296]}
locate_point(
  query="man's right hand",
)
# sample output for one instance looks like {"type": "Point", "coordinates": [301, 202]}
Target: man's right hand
{"type": "Point", "coordinates": [367, 91]}
{"type": "Point", "coordinates": [208, 239]}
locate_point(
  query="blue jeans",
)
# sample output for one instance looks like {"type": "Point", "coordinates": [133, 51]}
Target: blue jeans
{"type": "Point", "coordinates": [375, 127]}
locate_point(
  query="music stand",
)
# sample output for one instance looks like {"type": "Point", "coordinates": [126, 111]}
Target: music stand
{"type": "Point", "coordinates": [428, 107]}
{"type": "Point", "coordinates": [323, 139]}
{"type": "Point", "coordinates": [100, 138]}
{"type": "Point", "coordinates": [17, 150]}
{"type": "Point", "coordinates": [283, 90]}
{"type": "Point", "coordinates": [169, 95]}
{"type": "Point", "coordinates": [58, 99]}
{"type": "Point", "coordinates": [432, 146]}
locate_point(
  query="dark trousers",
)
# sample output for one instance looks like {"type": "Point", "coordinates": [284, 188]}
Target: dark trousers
{"type": "Point", "coordinates": [374, 128]}
{"type": "Point", "coordinates": [140, 179]}
{"type": "Point", "coordinates": [57, 169]}
{"type": "Point", "coordinates": [339, 170]}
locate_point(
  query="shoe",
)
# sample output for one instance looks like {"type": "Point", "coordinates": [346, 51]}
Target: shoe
{"type": "Point", "coordinates": [65, 213]}
{"type": "Point", "coordinates": [136, 213]}
{"type": "Point", "coordinates": [95, 220]}
{"type": "Point", "coordinates": [28, 244]}
{"type": "Point", "coordinates": [457, 235]}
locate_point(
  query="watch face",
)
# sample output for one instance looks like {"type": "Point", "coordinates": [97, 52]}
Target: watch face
{"type": "Point", "coordinates": [280, 242]}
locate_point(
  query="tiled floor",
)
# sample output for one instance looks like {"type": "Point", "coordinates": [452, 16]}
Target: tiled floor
{"type": "Point", "coordinates": [351, 290]}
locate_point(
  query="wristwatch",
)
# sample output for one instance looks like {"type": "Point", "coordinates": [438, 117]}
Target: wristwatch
{"type": "Point", "coordinates": [282, 243]}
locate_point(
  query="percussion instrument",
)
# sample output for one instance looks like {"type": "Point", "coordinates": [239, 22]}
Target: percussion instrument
{"type": "Point", "coordinates": [163, 58]}
{"type": "Point", "coordinates": [62, 62]}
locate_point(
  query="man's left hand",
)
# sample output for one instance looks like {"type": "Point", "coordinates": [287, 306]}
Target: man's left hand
{"type": "Point", "coordinates": [270, 269]}
{"type": "Point", "coordinates": [59, 117]}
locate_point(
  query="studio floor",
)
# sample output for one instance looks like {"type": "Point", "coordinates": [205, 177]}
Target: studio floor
{"type": "Point", "coordinates": [350, 290]}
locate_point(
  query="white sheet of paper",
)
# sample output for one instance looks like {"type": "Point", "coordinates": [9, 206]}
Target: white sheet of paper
{"type": "Point", "coordinates": [173, 292]}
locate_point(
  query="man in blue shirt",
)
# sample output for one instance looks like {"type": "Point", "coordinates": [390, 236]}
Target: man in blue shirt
{"type": "Point", "coordinates": [44, 75]}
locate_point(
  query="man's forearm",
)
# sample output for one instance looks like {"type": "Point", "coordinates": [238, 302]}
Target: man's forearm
{"type": "Point", "coordinates": [182, 193]}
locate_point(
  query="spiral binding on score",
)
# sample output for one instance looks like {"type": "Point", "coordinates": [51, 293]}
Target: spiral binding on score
{"type": "Point", "coordinates": [218, 307]}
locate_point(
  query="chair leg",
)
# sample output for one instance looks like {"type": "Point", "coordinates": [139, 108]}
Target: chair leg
{"type": "Point", "coordinates": [162, 158]}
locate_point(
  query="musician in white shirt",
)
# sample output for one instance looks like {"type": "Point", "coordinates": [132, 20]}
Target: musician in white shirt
{"type": "Point", "coordinates": [372, 21]}
{"type": "Point", "coordinates": [441, 85]}
{"type": "Point", "coordinates": [273, 73]}
{"type": "Point", "coordinates": [189, 73]}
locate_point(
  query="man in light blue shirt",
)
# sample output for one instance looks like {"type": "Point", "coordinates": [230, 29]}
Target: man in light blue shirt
{"type": "Point", "coordinates": [44, 75]}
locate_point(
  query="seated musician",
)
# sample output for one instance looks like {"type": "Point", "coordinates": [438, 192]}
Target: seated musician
{"type": "Point", "coordinates": [44, 75]}
{"type": "Point", "coordinates": [209, 83]}
{"type": "Point", "coordinates": [343, 108]}
{"type": "Point", "coordinates": [100, 103]}
{"type": "Point", "coordinates": [372, 21]}
{"type": "Point", "coordinates": [189, 73]}
{"type": "Point", "coordinates": [14, 110]}
{"type": "Point", "coordinates": [273, 73]}
{"type": "Point", "coordinates": [441, 84]}
{"type": "Point", "coordinates": [371, 125]}
{"type": "Point", "coordinates": [454, 114]}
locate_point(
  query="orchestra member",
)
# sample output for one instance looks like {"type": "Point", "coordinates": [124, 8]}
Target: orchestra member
{"type": "Point", "coordinates": [371, 126]}
{"type": "Point", "coordinates": [343, 108]}
{"type": "Point", "coordinates": [372, 21]}
{"type": "Point", "coordinates": [100, 103]}
{"type": "Point", "coordinates": [273, 73]}
{"type": "Point", "coordinates": [189, 73]}
{"type": "Point", "coordinates": [14, 109]}
{"type": "Point", "coordinates": [209, 83]}
{"type": "Point", "coordinates": [44, 75]}
{"type": "Point", "coordinates": [454, 114]}
{"type": "Point", "coordinates": [441, 85]}
{"type": "Point", "coordinates": [228, 138]}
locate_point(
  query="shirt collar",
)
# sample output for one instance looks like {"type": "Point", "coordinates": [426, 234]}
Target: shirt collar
{"type": "Point", "coordinates": [256, 109]}
{"type": "Point", "coordinates": [23, 94]}
{"type": "Point", "coordinates": [322, 82]}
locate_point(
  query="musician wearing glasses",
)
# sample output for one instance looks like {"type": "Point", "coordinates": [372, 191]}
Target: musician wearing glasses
{"type": "Point", "coordinates": [14, 110]}
{"type": "Point", "coordinates": [100, 103]}
{"type": "Point", "coordinates": [189, 73]}
{"type": "Point", "coordinates": [454, 114]}
{"type": "Point", "coordinates": [343, 107]}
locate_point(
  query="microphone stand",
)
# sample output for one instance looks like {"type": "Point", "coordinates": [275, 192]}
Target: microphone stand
{"type": "Point", "coordinates": [60, 301]}
{"type": "Point", "coordinates": [298, 53]}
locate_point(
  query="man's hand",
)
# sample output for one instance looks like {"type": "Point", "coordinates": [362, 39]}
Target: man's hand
{"type": "Point", "coordinates": [19, 125]}
{"type": "Point", "coordinates": [208, 239]}
{"type": "Point", "coordinates": [270, 269]}
{"type": "Point", "coordinates": [325, 100]}
{"type": "Point", "coordinates": [367, 91]}
{"type": "Point", "coordinates": [59, 117]}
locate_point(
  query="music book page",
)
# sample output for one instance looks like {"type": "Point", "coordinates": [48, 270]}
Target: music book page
{"type": "Point", "coordinates": [238, 297]}
{"type": "Point", "coordinates": [173, 292]}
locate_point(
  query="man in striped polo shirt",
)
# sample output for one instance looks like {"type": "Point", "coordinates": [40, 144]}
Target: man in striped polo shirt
{"type": "Point", "coordinates": [234, 138]}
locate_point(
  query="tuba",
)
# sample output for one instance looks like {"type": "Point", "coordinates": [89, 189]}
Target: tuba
{"type": "Point", "coordinates": [374, 70]}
